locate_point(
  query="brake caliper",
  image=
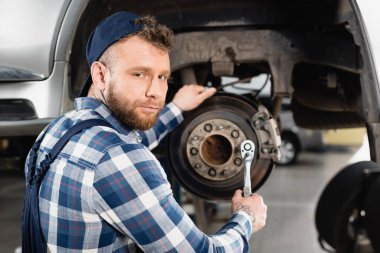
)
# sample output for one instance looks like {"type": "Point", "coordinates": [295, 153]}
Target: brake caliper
{"type": "Point", "coordinates": [268, 134]}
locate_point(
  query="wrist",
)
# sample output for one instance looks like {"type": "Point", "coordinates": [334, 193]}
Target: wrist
{"type": "Point", "coordinates": [178, 107]}
{"type": "Point", "coordinates": [248, 211]}
{"type": "Point", "coordinates": [175, 108]}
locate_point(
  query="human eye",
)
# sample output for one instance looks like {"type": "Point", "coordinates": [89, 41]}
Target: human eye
{"type": "Point", "coordinates": [163, 77]}
{"type": "Point", "coordinates": [139, 74]}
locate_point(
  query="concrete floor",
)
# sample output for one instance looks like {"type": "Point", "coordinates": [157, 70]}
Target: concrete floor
{"type": "Point", "coordinates": [291, 194]}
{"type": "Point", "coordinates": [12, 186]}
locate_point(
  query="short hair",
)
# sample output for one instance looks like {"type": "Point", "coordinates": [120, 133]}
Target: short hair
{"type": "Point", "coordinates": [158, 34]}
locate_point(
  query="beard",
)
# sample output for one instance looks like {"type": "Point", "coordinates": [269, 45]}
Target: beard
{"type": "Point", "coordinates": [126, 111]}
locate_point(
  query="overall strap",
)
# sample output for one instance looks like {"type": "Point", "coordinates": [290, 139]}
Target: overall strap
{"type": "Point", "coordinates": [33, 240]}
{"type": "Point", "coordinates": [49, 157]}
{"type": "Point", "coordinates": [32, 160]}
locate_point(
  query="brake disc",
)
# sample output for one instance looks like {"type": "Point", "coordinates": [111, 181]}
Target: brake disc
{"type": "Point", "coordinates": [204, 150]}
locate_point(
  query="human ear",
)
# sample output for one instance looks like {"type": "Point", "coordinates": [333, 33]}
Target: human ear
{"type": "Point", "coordinates": [98, 73]}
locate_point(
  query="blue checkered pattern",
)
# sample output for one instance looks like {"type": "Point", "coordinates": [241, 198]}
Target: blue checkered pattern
{"type": "Point", "coordinates": [106, 192]}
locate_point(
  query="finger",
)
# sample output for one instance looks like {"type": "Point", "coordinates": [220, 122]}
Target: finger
{"type": "Point", "coordinates": [259, 202]}
{"type": "Point", "coordinates": [238, 193]}
{"type": "Point", "coordinates": [257, 196]}
{"type": "Point", "coordinates": [211, 90]}
{"type": "Point", "coordinates": [207, 93]}
{"type": "Point", "coordinates": [195, 88]}
{"type": "Point", "coordinates": [199, 88]}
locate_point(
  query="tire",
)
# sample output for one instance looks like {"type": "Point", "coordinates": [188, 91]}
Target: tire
{"type": "Point", "coordinates": [337, 208]}
{"type": "Point", "coordinates": [372, 210]}
{"type": "Point", "coordinates": [290, 148]}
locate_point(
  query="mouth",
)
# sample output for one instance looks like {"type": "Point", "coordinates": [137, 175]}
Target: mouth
{"type": "Point", "coordinates": [150, 108]}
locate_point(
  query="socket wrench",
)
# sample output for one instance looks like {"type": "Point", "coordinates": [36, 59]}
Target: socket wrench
{"type": "Point", "coordinates": [247, 150]}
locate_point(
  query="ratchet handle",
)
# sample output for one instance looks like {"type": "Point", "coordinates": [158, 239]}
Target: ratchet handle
{"type": "Point", "coordinates": [247, 191]}
{"type": "Point", "coordinates": [247, 149]}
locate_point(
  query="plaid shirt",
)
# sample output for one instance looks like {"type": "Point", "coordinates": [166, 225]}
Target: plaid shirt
{"type": "Point", "coordinates": [106, 192]}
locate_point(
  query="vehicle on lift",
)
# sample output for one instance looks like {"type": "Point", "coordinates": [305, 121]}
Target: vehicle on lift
{"type": "Point", "coordinates": [318, 52]}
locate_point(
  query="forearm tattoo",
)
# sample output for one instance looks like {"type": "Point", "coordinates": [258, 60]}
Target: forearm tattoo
{"type": "Point", "coordinates": [248, 210]}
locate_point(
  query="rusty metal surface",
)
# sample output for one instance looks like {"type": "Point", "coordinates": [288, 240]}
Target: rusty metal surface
{"type": "Point", "coordinates": [212, 149]}
{"type": "Point", "coordinates": [204, 149]}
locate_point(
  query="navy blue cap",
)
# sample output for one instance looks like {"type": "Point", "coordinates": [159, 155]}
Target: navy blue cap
{"type": "Point", "coordinates": [109, 31]}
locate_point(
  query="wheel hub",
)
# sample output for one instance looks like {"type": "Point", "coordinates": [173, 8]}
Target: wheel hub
{"type": "Point", "coordinates": [212, 149]}
{"type": "Point", "coordinates": [204, 150]}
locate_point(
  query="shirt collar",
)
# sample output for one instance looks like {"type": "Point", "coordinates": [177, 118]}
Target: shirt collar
{"type": "Point", "coordinates": [83, 103]}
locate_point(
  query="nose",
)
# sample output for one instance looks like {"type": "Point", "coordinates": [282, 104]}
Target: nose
{"type": "Point", "coordinates": [157, 88]}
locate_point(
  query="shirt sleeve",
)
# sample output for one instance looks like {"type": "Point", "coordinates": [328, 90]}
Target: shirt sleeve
{"type": "Point", "coordinates": [169, 118]}
{"type": "Point", "coordinates": [132, 194]}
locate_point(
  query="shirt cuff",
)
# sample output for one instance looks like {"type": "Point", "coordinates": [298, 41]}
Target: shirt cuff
{"type": "Point", "coordinates": [245, 222]}
{"type": "Point", "coordinates": [175, 110]}
{"type": "Point", "coordinates": [246, 215]}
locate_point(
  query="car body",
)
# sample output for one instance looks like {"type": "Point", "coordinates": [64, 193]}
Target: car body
{"type": "Point", "coordinates": [295, 139]}
{"type": "Point", "coordinates": [320, 53]}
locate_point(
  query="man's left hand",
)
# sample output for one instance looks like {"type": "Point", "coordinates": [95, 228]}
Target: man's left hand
{"type": "Point", "coordinates": [191, 96]}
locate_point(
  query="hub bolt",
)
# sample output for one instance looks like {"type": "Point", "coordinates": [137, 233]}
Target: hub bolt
{"type": "Point", "coordinates": [237, 161]}
{"type": "Point", "coordinates": [223, 172]}
{"type": "Point", "coordinates": [208, 127]}
{"type": "Point", "coordinates": [212, 172]}
{"type": "Point", "coordinates": [235, 134]}
{"type": "Point", "coordinates": [194, 151]}
{"type": "Point", "coordinates": [195, 138]}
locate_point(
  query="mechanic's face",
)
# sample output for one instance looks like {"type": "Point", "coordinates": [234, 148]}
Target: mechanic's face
{"type": "Point", "coordinates": [137, 84]}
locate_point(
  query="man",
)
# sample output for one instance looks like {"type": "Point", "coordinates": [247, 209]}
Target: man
{"type": "Point", "coordinates": [105, 191]}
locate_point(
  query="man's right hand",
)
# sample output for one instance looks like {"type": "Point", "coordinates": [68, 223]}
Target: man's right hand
{"type": "Point", "coordinates": [253, 205]}
{"type": "Point", "coordinates": [191, 96]}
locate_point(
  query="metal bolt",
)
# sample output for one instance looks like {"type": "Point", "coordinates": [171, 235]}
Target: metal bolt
{"type": "Point", "coordinates": [247, 146]}
{"type": "Point", "coordinates": [194, 151]}
{"type": "Point", "coordinates": [212, 172]}
{"type": "Point", "coordinates": [221, 127]}
{"type": "Point", "coordinates": [198, 165]}
{"type": "Point", "coordinates": [208, 127]}
{"type": "Point", "coordinates": [235, 134]}
{"type": "Point", "coordinates": [237, 161]}
{"type": "Point", "coordinates": [223, 172]}
{"type": "Point", "coordinates": [195, 138]}
{"type": "Point", "coordinates": [265, 115]}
